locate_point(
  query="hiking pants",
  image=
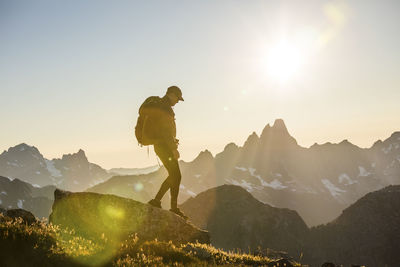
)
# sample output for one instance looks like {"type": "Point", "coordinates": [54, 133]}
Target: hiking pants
{"type": "Point", "coordinates": [174, 174]}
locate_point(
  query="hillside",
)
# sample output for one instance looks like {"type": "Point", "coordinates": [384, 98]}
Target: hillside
{"type": "Point", "coordinates": [235, 219]}
{"type": "Point", "coordinates": [365, 233]}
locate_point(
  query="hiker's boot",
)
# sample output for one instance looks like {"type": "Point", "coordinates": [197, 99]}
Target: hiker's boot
{"type": "Point", "coordinates": [155, 203]}
{"type": "Point", "coordinates": [178, 212]}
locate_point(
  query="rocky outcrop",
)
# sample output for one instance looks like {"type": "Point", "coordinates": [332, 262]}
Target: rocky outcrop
{"type": "Point", "coordinates": [92, 214]}
{"type": "Point", "coordinates": [27, 217]}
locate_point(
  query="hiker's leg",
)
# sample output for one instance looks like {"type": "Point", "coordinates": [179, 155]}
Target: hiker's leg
{"type": "Point", "coordinates": [165, 158]}
{"type": "Point", "coordinates": [163, 189]}
{"type": "Point", "coordinates": [175, 180]}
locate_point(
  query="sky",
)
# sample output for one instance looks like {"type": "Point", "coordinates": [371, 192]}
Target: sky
{"type": "Point", "coordinates": [74, 73]}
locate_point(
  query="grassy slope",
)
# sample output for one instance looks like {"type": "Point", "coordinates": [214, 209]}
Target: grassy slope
{"type": "Point", "coordinates": [43, 244]}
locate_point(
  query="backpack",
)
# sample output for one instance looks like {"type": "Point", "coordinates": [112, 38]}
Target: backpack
{"type": "Point", "coordinates": [145, 132]}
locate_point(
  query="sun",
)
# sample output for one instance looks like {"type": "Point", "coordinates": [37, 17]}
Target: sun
{"type": "Point", "coordinates": [283, 61]}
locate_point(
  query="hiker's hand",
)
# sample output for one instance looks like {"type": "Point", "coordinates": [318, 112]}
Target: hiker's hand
{"type": "Point", "coordinates": [176, 154]}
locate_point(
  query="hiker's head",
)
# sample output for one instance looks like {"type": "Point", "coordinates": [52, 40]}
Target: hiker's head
{"type": "Point", "coordinates": [174, 94]}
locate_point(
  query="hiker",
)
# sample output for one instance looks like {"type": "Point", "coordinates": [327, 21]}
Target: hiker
{"type": "Point", "coordinates": [156, 126]}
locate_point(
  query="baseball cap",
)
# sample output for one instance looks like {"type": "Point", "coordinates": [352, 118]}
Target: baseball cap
{"type": "Point", "coordinates": [175, 90]}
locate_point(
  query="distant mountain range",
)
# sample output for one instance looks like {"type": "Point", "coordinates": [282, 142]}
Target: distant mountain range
{"type": "Point", "coordinates": [318, 182]}
{"type": "Point", "coordinates": [71, 172]}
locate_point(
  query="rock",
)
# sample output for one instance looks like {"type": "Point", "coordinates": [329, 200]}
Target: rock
{"type": "Point", "coordinates": [26, 216]}
{"type": "Point", "coordinates": [92, 215]}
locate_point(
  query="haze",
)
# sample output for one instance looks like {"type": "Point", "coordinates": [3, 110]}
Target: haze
{"type": "Point", "coordinates": [74, 73]}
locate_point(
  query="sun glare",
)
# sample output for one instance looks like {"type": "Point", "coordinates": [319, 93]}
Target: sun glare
{"type": "Point", "coordinates": [283, 61]}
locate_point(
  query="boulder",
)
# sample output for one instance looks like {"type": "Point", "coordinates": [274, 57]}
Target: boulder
{"type": "Point", "coordinates": [98, 215]}
{"type": "Point", "coordinates": [26, 216]}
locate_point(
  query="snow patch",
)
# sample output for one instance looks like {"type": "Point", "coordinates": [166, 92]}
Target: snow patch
{"type": "Point", "coordinates": [278, 174]}
{"type": "Point", "coordinates": [36, 185]}
{"type": "Point", "coordinates": [76, 182]}
{"type": "Point", "coordinates": [14, 164]}
{"type": "Point", "coordinates": [345, 179]}
{"type": "Point", "coordinates": [275, 184]}
{"type": "Point", "coordinates": [243, 184]}
{"type": "Point", "coordinates": [252, 171]}
{"type": "Point", "coordinates": [363, 171]}
{"type": "Point", "coordinates": [21, 148]}
{"type": "Point", "coordinates": [241, 168]}
{"type": "Point", "coordinates": [20, 203]}
{"type": "Point", "coordinates": [197, 175]}
{"type": "Point", "coordinates": [181, 186]}
{"type": "Point", "coordinates": [335, 191]}
{"type": "Point", "coordinates": [38, 172]}
{"type": "Point", "coordinates": [3, 193]}
{"type": "Point", "coordinates": [53, 170]}
{"type": "Point", "coordinates": [191, 193]}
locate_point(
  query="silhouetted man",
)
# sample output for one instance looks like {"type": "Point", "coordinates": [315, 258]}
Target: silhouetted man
{"type": "Point", "coordinates": [166, 144]}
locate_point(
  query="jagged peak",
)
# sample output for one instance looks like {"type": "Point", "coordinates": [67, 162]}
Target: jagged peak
{"type": "Point", "coordinates": [278, 132]}
{"type": "Point", "coordinates": [253, 138]}
{"type": "Point", "coordinates": [24, 148]}
{"type": "Point", "coordinates": [230, 146]}
{"type": "Point", "coordinates": [279, 124]}
{"type": "Point", "coordinates": [80, 155]}
{"type": "Point", "coordinates": [266, 129]}
{"type": "Point", "coordinates": [345, 142]}
{"type": "Point", "coordinates": [204, 155]}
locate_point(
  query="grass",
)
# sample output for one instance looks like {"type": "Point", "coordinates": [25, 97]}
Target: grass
{"type": "Point", "coordinates": [43, 244]}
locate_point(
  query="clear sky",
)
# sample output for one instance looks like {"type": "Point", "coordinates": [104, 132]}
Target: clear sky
{"type": "Point", "coordinates": [73, 73]}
